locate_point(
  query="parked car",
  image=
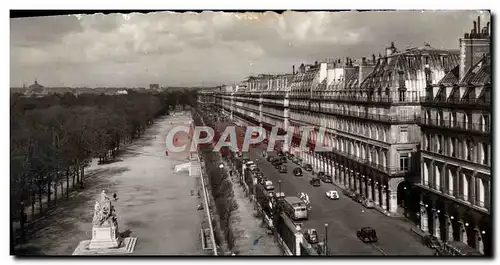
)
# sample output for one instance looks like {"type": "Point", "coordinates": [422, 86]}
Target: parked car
{"type": "Point", "coordinates": [269, 158]}
{"type": "Point", "coordinates": [327, 179]}
{"type": "Point", "coordinates": [431, 241]}
{"type": "Point", "coordinates": [332, 194]}
{"type": "Point", "coordinates": [307, 167]}
{"type": "Point", "coordinates": [280, 153]}
{"type": "Point", "coordinates": [268, 185]}
{"type": "Point", "coordinates": [283, 169]}
{"type": "Point", "coordinates": [367, 234]}
{"type": "Point", "coordinates": [315, 182]}
{"type": "Point", "coordinates": [283, 159]}
{"type": "Point", "coordinates": [258, 174]}
{"type": "Point", "coordinates": [348, 193]}
{"type": "Point", "coordinates": [357, 198]}
{"type": "Point", "coordinates": [297, 172]}
{"type": "Point", "coordinates": [311, 236]}
{"type": "Point", "coordinates": [369, 203]}
{"type": "Point", "coordinates": [320, 174]}
{"type": "Point", "coordinates": [277, 165]}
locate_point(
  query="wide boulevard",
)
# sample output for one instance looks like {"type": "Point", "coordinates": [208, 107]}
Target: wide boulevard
{"type": "Point", "coordinates": [344, 217]}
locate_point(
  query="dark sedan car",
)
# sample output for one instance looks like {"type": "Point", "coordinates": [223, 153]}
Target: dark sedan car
{"type": "Point", "coordinates": [315, 182]}
{"type": "Point", "coordinates": [327, 179]}
{"type": "Point", "coordinates": [297, 172]}
{"type": "Point", "coordinates": [357, 198]}
{"type": "Point", "coordinates": [283, 169]}
{"type": "Point", "coordinates": [431, 242]}
{"type": "Point", "coordinates": [348, 193]}
{"type": "Point", "coordinates": [367, 235]}
{"type": "Point", "coordinates": [307, 167]}
{"type": "Point", "coordinates": [276, 163]}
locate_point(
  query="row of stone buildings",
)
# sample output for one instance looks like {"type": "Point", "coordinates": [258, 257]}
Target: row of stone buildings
{"type": "Point", "coordinates": [410, 129]}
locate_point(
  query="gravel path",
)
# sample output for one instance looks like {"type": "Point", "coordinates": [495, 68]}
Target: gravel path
{"type": "Point", "coordinates": [155, 205]}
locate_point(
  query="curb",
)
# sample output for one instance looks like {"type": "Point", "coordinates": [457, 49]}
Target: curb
{"type": "Point", "coordinates": [377, 208]}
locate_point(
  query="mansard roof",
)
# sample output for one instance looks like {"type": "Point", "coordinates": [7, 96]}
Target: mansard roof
{"type": "Point", "coordinates": [451, 78]}
{"type": "Point", "coordinates": [409, 62]}
{"type": "Point", "coordinates": [351, 79]}
{"type": "Point", "coordinates": [480, 73]}
{"type": "Point", "coordinates": [304, 81]}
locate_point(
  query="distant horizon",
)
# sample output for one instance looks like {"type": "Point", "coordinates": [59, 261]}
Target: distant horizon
{"type": "Point", "coordinates": [147, 88]}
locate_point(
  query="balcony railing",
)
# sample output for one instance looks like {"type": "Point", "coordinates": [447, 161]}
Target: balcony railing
{"type": "Point", "coordinates": [373, 164]}
{"type": "Point", "coordinates": [375, 99]}
{"type": "Point", "coordinates": [371, 116]}
{"type": "Point", "coordinates": [276, 104]}
{"type": "Point", "coordinates": [457, 101]}
{"type": "Point", "coordinates": [464, 126]}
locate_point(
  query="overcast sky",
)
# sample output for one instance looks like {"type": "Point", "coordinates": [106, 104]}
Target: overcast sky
{"type": "Point", "coordinates": [187, 49]}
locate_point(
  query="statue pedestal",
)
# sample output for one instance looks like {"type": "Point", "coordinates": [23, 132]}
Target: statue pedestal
{"type": "Point", "coordinates": [105, 237]}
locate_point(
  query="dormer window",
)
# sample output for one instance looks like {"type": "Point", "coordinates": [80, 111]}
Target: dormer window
{"type": "Point", "coordinates": [410, 63]}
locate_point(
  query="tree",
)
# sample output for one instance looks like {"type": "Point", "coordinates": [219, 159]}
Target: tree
{"type": "Point", "coordinates": [54, 138]}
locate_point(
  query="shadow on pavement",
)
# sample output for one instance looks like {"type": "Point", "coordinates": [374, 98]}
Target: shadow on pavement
{"type": "Point", "coordinates": [126, 233]}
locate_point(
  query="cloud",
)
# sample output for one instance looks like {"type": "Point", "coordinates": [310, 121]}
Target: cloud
{"type": "Point", "coordinates": [211, 47]}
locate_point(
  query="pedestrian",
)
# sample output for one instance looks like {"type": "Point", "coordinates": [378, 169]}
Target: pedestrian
{"type": "Point", "coordinates": [115, 196]}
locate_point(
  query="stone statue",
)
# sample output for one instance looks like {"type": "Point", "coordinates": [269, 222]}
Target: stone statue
{"type": "Point", "coordinates": [104, 212]}
{"type": "Point", "coordinates": [105, 225]}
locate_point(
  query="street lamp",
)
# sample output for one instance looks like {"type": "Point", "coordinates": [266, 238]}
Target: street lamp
{"type": "Point", "coordinates": [326, 239]}
{"type": "Point", "coordinates": [23, 221]}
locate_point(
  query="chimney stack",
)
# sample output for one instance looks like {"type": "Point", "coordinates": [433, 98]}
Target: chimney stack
{"type": "Point", "coordinates": [374, 58]}
{"type": "Point", "coordinates": [293, 69]}
{"type": "Point", "coordinates": [363, 60]}
{"type": "Point", "coordinates": [389, 50]}
{"type": "Point", "coordinates": [472, 48]}
{"type": "Point", "coordinates": [478, 25]}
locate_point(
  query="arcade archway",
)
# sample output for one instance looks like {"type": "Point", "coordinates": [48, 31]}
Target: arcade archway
{"type": "Point", "coordinates": [408, 199]}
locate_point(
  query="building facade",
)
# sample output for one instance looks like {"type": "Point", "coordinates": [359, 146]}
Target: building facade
{"type": "Point", "coordinates": [456, 148]}
{"type": "Point", "coordinates": [379, 130]}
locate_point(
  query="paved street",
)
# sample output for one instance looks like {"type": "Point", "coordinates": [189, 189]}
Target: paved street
{"type": "Point", "coordinates": [344, 217]}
